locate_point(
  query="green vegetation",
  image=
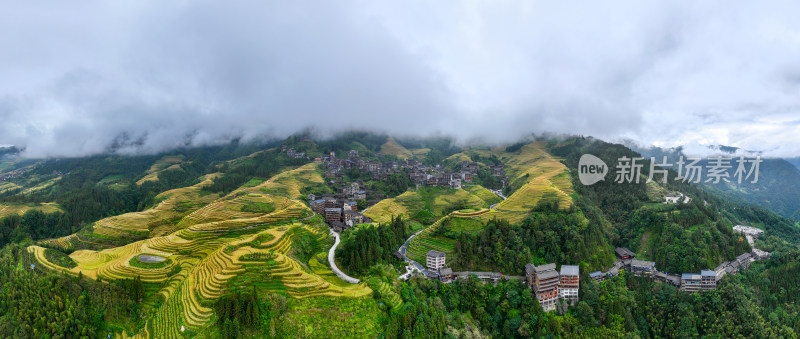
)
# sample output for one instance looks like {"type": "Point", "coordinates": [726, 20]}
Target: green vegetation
{"type": "Point", "coordinates": [305, 244]}
{"type": "Point", "coordinates": [686, 238]}
{"type": "Point", "coordinates": [258, 207]}
{"type": "Point", "coordinates": [428, 204]}
{"type": "Point", "coordinates": [261, 165]}
{"type": "Point", "coordinates": [244, 315]}
{"type": "Point", "coordinates": [59, 258]}
{"type": "Point", "coordinates": [366, 246]}
{"type": "Point", "coordinates": [253, 182]}
{"type": "Point", "coordinates": [33, 224]}
{"type": "Point", "coordinates": [544, 236]}
{"type": "Point", "coordinates": [248, 260]}
{"type": "Point", "coordinates": [327, 317]}
{"type": "Point", "coordinates": [38, 303]}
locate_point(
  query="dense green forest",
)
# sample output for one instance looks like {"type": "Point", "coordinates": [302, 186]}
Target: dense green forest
{"type": "Point", "coordinates": [683, 238]}
{"type": "Point", "coordinates": [36, 303]}
{"type": "Point", "coordinates": [545, 236]}
{"type": "Point", "coordinates": [367, 246]}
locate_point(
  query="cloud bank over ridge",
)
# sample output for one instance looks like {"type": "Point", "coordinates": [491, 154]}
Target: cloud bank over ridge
{"type": "Point", "coordinates": [142, 76]}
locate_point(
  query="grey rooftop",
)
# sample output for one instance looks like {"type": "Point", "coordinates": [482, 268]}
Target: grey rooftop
{"type": "Point", "coordinates": [435, 254]}
{"type": "Point", "coordinates": [545, 268]}
{"type": "Point", "coordinates": [570, 270]}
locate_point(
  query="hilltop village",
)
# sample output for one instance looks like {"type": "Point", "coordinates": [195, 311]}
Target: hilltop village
{"type": "Point", "coordinates": [341, 210]}
{"type": "Point", "coordinates": [555, 288]}
{"type": "Point", "coordinates": [535, 258]}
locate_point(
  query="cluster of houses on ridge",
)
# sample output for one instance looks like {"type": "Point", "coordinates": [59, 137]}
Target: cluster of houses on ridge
{"type": "Point", "coordinates": [419, 173]}
{"type": "Point", "coordinates": [706, 280]}
{"type": "Point", "coordinates": [19, 172]}
{"type": "Point", "coordinates": [340, 214]}
{"type": "Point", "coordinates": [341, 209]}
{"type": "Point", "coordinates": [556, 289]}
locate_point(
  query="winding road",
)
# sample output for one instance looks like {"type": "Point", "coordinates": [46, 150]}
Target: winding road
{"type": "Point", "coordinates": [332, 261]}
{"type": "Point", "coordinates": [404, 247]}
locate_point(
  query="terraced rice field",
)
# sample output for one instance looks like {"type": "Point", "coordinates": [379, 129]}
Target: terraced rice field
{"type": "Point", "coordinates": [6, 186]}
{"type": "Point", "coordinates": [19, 209]}
{"type": "Point", "coordinates": [483, 193]}
{"type": "Point", "coordinates": [392, 148]}
{"type": "Point", "coordinates": [160, 219]}
{"type": "Point", "coordinates": [544, 177]}
{"type": "Point", "coordinates": [383, 211]}
{"type": "Point", "coordinates": [231, 207]}
{"type": "Point", "coordinates": [425, 242]}
{"type": "Point", "coordinates": [294, 211]}
{"type": "Point", "coordinates": [208, 261]}
{"type": "Point", "coordinates": [289, 183]}
{"type": "Point", "coordinates": [457, 197]}
{"type": "Point", "coordinates": [163, 164]}
{"type": "Point", "coordinates": [388, 294]}
{"type": "Point", "coordinates": [538, 174]}
{"type": "Point", "coordinates": [319, 266]}
{"type": "Point", "coordinates": [438, 201]}
{"type": "Point", "coordinates": [420, 152]}
{"type": "Point", "coordinates": [41, 186]}
{"type": "Point", "coordinates": [512, 217]}
{"type": "Point", "coordinates": [470, 224]}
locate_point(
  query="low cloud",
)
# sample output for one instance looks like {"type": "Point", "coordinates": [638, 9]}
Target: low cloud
{"type": "Point", "coordinates": [143, 76]}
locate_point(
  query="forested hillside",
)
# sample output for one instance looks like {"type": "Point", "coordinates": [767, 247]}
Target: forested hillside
{"type": "Point", "coordinates": [221, 242]}
{"type": "Point", "coordinates": [777, 187]}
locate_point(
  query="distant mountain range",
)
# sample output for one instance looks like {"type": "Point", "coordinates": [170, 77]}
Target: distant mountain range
{"type": "Point", "coordinates": [778, 186]}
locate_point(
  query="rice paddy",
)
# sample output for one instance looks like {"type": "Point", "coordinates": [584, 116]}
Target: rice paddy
{"type": "Point", "coordinates": [156, 221]}
{"type": "Point", "coordinates": [383, 211]}
{"type": "Point", "coordinates": [6, 186]}
{"type": "Point", "coordinates": [438, 201]}
{"type": "Point", "coordinates": [208, 261]}
{"type": "Point", "coordinates": [289, 183]}
{"type": "Point", "coordinates": [41, 186]}
{"type": "Point", "coordinates": [540, 176]}
{"type": "Point", "coordinates": [163, 164]}
{"type": "Point", "coordinates": [392, 148]}
{"type": "Point", "coordinates": [212, 245]}
{"type": "Point", "coordinates": [208, 246]}
{"type": "Point", "coordinates": [19, 209]}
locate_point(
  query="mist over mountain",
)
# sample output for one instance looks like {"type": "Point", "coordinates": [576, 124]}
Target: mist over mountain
{"type": "Point", "coordinates": [139, 77]}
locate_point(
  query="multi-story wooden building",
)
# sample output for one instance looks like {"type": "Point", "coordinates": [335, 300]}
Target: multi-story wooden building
{"type": "Point", "coordinates": [545, 286]}
{"type": "Point", "coordinates": [333, 214]}
{"type": "Point", "coordinates": [597, 276]}
{"type": "Point", "coordinates": [569, 282]}
{"type": "Point", "coordinates": [643, 268]}
{"type": "Point", "coordinates": [706, 280]}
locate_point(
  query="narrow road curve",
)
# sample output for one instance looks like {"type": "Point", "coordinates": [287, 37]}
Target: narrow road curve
{"type": "Point", "coordinates": [419, 266]}
{"type": "Point", "coordinates": [332, 261]}
{"type": "Point", "coordinates": [498, 193]}
{"type": "Point", "coordinates": [403, 249]}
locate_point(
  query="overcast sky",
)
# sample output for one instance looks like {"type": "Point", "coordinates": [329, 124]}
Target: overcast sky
{"type": "Point", "coordinates": [78, 77]}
